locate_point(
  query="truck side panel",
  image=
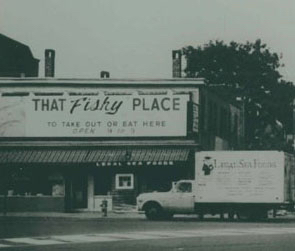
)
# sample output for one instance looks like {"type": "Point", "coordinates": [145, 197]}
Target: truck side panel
{"type": "Point", "coordinates": [289, 191]}
{"type": "Point", "coordinates": [240, 177]}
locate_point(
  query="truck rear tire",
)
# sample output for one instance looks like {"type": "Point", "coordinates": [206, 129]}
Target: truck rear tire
{"type": "Point", "coordinates": [259, 215]}
{"type": "Point", "coordinates": [253, 215]}
{"type": "Point", "coordinates": [154, 212]}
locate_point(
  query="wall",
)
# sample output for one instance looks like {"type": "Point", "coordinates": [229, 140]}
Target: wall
{"type": "Point", "coordinates": [33, 204]}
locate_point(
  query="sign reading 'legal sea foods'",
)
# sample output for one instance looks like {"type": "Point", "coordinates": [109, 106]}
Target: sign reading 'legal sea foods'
{"type": "Point", "coordinates": [240, 176]}
{"type": "Point", "coordinates": [94, 115]}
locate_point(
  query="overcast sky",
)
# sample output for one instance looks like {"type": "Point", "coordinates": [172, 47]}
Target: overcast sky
{"type": "Point", "coordinates": [134, 38]}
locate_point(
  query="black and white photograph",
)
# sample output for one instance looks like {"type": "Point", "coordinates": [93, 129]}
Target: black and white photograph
{"type": "Point", "coordinates": [147, 125]}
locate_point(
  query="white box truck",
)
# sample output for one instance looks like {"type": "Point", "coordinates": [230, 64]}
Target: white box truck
{"type": "Point", "coordinates": [243, 183]}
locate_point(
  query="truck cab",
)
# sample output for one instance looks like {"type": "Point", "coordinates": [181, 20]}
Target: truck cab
{"type": "Point", "coordinates": [179, 200]}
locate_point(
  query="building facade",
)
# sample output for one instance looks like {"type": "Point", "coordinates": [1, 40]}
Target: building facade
{"type": "Point", "coordinates": [68, 144]}
{"type": "Point", "coordinates": [222, 120]}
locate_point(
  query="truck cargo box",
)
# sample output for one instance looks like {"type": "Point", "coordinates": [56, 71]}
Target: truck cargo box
{"type": "Point", "coordinates": [244, 177]}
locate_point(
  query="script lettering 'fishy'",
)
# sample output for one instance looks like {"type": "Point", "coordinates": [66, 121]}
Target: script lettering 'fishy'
{"type": "Point", "coordinates": [87, 104]}
{"type": "Point", "coordinates": [80, 104]}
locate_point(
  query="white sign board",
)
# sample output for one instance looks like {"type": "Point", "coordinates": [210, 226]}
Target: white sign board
{"type": "Point", "coordinates": [240, 176]}
{"type": "Point", "coordinates": [94, 115]}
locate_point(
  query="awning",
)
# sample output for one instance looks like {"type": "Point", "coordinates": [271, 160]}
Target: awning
{"type": "Point", "coordinates": [100, 157]}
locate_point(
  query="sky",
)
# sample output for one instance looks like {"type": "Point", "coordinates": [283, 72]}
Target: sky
{"type": "Point", "coordinates": [135, 38]}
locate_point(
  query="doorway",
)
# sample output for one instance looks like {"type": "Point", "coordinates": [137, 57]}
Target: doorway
{"type": "Point", "coordinates": [79, 191]}
{"type": "Point", "coordinates": [102, 182]}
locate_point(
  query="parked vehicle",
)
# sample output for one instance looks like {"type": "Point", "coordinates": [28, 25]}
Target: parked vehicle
{"type": "Point", "coordinates": [243, 183]}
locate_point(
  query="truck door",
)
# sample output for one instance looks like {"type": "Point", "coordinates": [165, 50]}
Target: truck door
{"type": "Point", "coordinates": [183, 198]}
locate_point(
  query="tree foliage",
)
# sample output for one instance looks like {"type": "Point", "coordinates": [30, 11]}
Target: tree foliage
{"type": "Point", "coordinates": [250, 71]}
{"type": "Point", "coordinates": [250, 64]}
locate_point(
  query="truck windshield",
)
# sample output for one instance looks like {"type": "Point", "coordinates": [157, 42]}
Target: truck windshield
{"type": "Point", "coordinates": [184, 187]}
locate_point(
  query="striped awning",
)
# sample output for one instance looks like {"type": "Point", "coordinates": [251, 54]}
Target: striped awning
{"type": "Point", "coordinates": [100, 157]}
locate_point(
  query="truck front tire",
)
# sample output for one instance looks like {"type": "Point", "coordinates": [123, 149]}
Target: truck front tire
{"type": "Point", "coordinates": [154, 212]}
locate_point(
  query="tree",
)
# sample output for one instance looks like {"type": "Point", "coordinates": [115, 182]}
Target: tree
{"type": "Point", "coordinates": [250, 71]}
{"type": "Point", "coordinates": [250, 64]}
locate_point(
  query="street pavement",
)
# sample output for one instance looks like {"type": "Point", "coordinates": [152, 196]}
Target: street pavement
{"type": "Point", "coordinates": [24, 242]}
{"type": "Point", "coordinates": [131, 231]}
{"type": "Point", "coordinates": [140, 237]}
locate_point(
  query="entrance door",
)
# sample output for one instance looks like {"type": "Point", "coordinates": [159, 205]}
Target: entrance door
{"type": "Point", "coordinates": [102, 183]}
{"type": "Point", "coordinates": [79, 191]}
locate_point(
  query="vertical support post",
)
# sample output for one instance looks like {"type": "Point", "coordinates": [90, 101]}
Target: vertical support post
{"type": "Point", "coordinates": [68, 193]}
{"type": "Point", "coordinates": [90, 193]}
{"type": "Point", "coordinates": [6, 181]}
{"type": "Point", "coordinates": [5, 191]}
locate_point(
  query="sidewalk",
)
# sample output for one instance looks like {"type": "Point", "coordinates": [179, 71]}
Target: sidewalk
{"type": "Point", "coordinates": [79, 216]}
{"type": "Point", "coordinates": [75, 215]}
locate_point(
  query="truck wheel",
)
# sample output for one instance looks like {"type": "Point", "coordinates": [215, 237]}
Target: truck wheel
{"type": "Point", "coordinates": [253, 215]}
{"type": "Point", "coordinates": [259, 215]}
{"type": "Point", "coordinates": [154, 212]}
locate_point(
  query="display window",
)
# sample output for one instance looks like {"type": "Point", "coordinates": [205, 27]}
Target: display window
{"type": "Point", "coordinates": [124, 181]}
{"type": "Point", "coordinates": [28, 182]}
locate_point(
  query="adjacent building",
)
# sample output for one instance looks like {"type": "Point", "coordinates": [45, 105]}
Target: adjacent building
{"type": "Point", "coordinates": [17, 59]}
{"type": "Point", "coordinates": [222, 120]}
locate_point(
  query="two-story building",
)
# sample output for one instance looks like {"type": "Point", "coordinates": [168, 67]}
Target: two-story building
{"type": "Point", "coordinates": [68, 143]}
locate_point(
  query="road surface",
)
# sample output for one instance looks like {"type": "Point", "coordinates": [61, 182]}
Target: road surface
{"type": "Point", "coordinates": [140, 234]}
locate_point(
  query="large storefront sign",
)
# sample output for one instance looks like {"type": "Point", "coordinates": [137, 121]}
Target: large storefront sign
{"type": "Point", "coordinates": [94, 115]}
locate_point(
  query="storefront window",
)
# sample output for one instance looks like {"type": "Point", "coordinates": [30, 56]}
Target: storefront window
{"type": "Point", "coordinates": [124, 181]}
{"type": "Point", "coordinates": [28, 182]}
{"type": "Point", "coordinates": [56, 182]}
{"type": "Point", "coordinates": [58, 189]}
